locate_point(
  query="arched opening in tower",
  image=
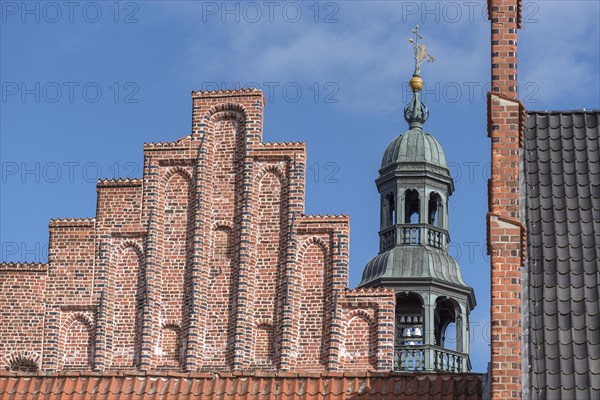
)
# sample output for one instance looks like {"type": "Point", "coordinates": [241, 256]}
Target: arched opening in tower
{"type": "Point", "coordinates": [411, 207]}
{"type": "Point", "coordinates": [409, 319]}
{"type": "Point", "coordinates": [390, 210]}
{"type": "Point", "coordinates": [446, 328]}
{"type": "Point", "coordinates": [435, 210]}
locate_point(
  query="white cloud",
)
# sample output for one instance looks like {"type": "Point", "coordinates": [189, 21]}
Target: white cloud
{"type": "Point", "coordinates": [560, 54]}
{"type": "Point", "coordinates": [367, 53]}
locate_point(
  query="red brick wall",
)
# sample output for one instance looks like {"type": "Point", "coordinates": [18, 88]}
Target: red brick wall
{"type": "Point", "coordinates": [176, 199]}
{"type": "Point", "coordinates": [206, 263]}
{"type": "Point", "coordinates": [69, 287]}
{"type": "Point", "coordinates": [360, 343]}
{"type": "Point", "coordinates": [128, 296]}
{"type": "Point", "coordinates": [22, 288]}
{"type": "Point", "coordinates": [263, 343]}
{"type": "Point", "coordinates": [271, 209]}
{"type": "Point", "coordinates": [366, 331]}
{"type": "Point", "coordinates": [506, 233]}
{"type": "Point", "coordinates": [119, 275]}
{"type": "Point", "coordinates": [71, 262]}
{"type": "Point", "coordinates": [312, 320]}
{"type": "Point", "coordinates": [76, 343]}
{"type": "Point", "coordinates": [225, 143]}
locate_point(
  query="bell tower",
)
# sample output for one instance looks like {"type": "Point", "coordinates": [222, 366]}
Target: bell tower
{"type": "Point", "coordinates": [433, 303]}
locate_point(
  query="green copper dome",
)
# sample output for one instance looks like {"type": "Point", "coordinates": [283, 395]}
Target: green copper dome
{"type": "Point", "coordinates": [414, 146]}
{"type": "Point", "coordinates": [412, 262]}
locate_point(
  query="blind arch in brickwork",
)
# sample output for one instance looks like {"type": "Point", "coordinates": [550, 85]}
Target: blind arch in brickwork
{"type": "Point", "coordinates": [363, 355]}
{"type": "Point", "coordinates": [263, 343]}
{"type": "Point", "coordinates": [274, 169]}
{"type": "Point", "coordinates": [127, 310]}
{"type": "Point", "coordinates": [69, 344]}
{"type": "Point", "coordinates": [311, 306]}
{"type": "Point", "coordinates": [22, 360]}
{"type": "Point", "coordinates": [226, 111]}
{"type": "Point", "coordinates": [171, 344]}
{"type": "Point", "coordinates": [309, 242]}
{"type": "Point", "coordinates": [171, 172]}
{"type": "Point", "coordinates": [127, 244]}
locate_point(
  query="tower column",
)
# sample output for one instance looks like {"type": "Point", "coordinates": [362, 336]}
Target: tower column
{"type": "Point", "coordinates": [462, 337]}
{"type": "Point", "coordinates": [462, 333]}
{"type": "Point", "coordinates": [444, 216]}
{"type": "Point", "coordinates": [423, 216]}
{"type": "Point", "coordinates": [423, 206]}
{"type": "Point", "coordinates": [429, 328]}
{"type": "Point", "coordinates": [383, 213]}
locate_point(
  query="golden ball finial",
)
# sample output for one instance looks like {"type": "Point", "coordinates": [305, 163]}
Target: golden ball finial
{"type": "Point", "coordinates": [416, 84]}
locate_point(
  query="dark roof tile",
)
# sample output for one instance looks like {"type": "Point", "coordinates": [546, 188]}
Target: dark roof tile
{"type": "Point", "coordinates": [562, 180]}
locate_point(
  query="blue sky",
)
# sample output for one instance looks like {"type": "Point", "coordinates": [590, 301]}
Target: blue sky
{"type": "Point", "coordinates": [85, 85]}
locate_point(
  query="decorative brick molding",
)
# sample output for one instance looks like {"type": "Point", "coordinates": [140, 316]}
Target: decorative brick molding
{"type": "Point", "coordinates": [23, 267]}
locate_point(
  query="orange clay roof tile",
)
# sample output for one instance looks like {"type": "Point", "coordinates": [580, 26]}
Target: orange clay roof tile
{"type": "Point", "coordinates": [259, 386]}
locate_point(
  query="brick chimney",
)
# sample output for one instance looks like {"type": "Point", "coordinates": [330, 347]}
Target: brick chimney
{"type": "Point", "coordinates": [506, 232]}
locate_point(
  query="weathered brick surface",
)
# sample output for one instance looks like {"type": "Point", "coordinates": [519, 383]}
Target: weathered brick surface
{"type": "Point", "coordinates": [68, 284]}
{"type": "Point", "coordinates": [366, 331]}
{"type": "Point", "coordinates": [206, 263]}
{"type": "Point", "coordinates": [22, 288]}
{"type": "Point", "coordinates": [506, 233]}
{"type": "Point", "coordinates": [128, 298]}
{"type": "Point", "coordinates": [76, 341]}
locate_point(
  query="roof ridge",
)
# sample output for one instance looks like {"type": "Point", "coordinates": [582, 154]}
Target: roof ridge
{"type": "Point", "coordinates": [91, 219]}
{"type": "Point", "coordinates": [23, 264]}
{"type": "Point", "coordinates": [164, 144]}
{"type": "Point", "coordinates": [317, 216]}
{"type": "Point", "coordinates": [65, 222]}
{"type": "Point", "coordinates": [227, 91]}
{"type": "Point", "coordinates": [281, 143]}
{"type": "Point", "coordinates": [370, 289]}
{"type": "Point", "coordinates": [576, 111]}
{"type": "Point", "coordinates": [120, 180]}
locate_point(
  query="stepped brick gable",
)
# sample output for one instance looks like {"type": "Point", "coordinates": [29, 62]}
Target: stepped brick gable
{"type": "Point", "coordinates": [206, 263]}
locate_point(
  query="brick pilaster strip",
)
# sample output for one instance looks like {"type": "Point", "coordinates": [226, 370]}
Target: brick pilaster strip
{"type": "Point", "coordinates": [505, 233]}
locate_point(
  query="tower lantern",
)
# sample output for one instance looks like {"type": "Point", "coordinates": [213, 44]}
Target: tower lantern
{"type": "Point", "coordinates": [433, 302]}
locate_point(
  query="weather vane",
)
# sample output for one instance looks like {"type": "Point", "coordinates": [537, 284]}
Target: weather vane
{"type": "Point", "coordinates": [421, 54]}
{"type": "Point", "coordinates": [416, 112]}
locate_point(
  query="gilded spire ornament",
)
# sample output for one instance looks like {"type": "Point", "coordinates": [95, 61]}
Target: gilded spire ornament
{"type": "Point", "coordinates": [421, 54]}
{"type": "Point", "coordinates": [415, 112]}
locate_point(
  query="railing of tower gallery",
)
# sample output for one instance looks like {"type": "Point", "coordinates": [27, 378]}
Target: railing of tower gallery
{"type": "Point", "coordinates": [410, 235]}
{"type": "Point", "coordinates": [410, 358]}
{"type": "Point", "coordinates": [436, 237]}
{"type": "Point", "coordinates": [388, 237]}
{"type": "Point", "coordinates": [447, 360]}
{"type": "Point", "coordinates": [413, 235]}
{"type": "Point", "coordinates": [427, 358]}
